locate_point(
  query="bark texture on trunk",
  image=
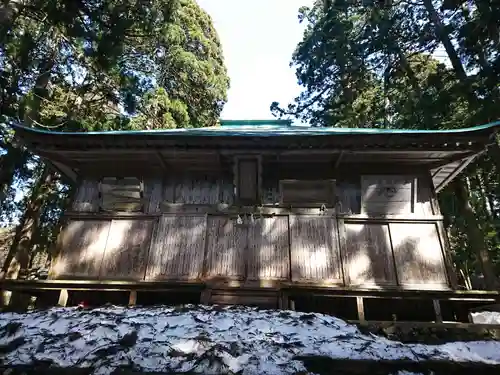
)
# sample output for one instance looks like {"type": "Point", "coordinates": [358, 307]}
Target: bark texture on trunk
{"type": "Point", "coordinates": [17, 261]}
{"type": "Point", "coordinates": [474, 234]}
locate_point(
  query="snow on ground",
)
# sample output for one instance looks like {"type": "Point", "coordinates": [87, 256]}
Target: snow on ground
{"type": "Point", "coordinates": [486, 317]}
{"type": "Point", "coordinates": [204, 339]}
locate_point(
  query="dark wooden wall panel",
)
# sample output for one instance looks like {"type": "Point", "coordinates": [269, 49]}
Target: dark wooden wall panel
{"type": "Point", "coordinates": [418, 254]}
{"type": "Point", "coordinates": [177, 248]}
{"type": "Point", "coordinates": [226, 248]}
{"type": "Point", "coordinates": [314, 249]}
{"type": "Point", "coordinates": [248, 180]}
{"type": "Point", "coordinates": [268, 255]}
{"type": "Point", "coordinates": [127, 250]}
{"type": "Point", "coordinates": [82, 244]}
{"type": "Point", "coordinates": [367, 255]}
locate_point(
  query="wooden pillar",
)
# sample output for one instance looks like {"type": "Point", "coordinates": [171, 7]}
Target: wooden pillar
{"type": "Point", "coordinates": [437, 311]}
{"type": "Point", "coordinates": [206, 296]}
{"type": "Point", "coordinates": [291, 304]}
{"type": "Point", "coordinates": [132, 298]}
{"type": "Point", "coordinates": [6, 298]}
{"type": "Point", "coordinates": [450, 269]}
{"type": "Point", "coordinates": [361, 309]}
{"type": "Point", "coordinates": [283, 301]}
{"type": "Point", "coordinates": [63, 298]}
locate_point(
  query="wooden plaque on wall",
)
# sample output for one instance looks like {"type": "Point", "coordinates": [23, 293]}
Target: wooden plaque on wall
{"type": "Point", "coordinates": [386, 194]}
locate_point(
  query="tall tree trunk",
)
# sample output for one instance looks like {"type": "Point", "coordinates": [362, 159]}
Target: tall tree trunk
{"type": "Point", "coordinates": [474, 234]}
{"type": "Point", "coordinates": [457, 65]}
{"type": "Point", "coordinates": [444, 38]}
{"type": "Point", "coordinates": [479, 187]}
{"type": "Point", "coordinates": [12, 161]}
{"type": "Point", "coordinates": [26, 228]}
{"type": "Point", "coordinates": [17, 261]}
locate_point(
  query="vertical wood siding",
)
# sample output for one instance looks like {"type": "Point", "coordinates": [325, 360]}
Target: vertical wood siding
{"type": "Point", "coordinates": [227, 191]}
{"type": "Point", "coordinates": [87, 197]}
{"type": "Point", "coordinates": [226, 248]}
{"type": "Point", "coordinates": [190, 190]}
{"type": "Point", "coordinates": [314, 249]}
{"type": "Point", "coordinates": [268, 255]}
{"type": "Point", "coordinates": [368, 254]}
{"type": "Point", "coordinates": [177, 248]}
{"type": "Point", "coordinates": [82, 245]}
{"type": "Point", "coordinates": [418, 254]}
{"type": "Point", "coordinates": [153, 194]}
{"type": "Point", "coordinates": [169, 190]}
{"type": "Point", "coordinates": [126, 250]}
{"type": "Point", "coordinates": [386, 194]}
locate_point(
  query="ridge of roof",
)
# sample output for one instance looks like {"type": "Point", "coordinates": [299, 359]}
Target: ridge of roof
{"type": "Point", "coordinates": [264, 128]}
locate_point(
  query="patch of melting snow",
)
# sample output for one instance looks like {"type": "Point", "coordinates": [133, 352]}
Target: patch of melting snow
{"type": "Point", "coordinates": [205, 339]}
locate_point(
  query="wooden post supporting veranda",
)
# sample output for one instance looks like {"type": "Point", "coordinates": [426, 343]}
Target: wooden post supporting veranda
{"type": "Point", "coordinates": [132, 299]}
{"type": "Point", "coordinates": [437, 310]}
{"type": "Point", "coordinates": [63, 298]}
{"type": "Point", "coordinates": [361, 309]}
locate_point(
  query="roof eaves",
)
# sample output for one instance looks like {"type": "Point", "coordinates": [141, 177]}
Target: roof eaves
{"type": "Point", "coordinates": [261, 131]}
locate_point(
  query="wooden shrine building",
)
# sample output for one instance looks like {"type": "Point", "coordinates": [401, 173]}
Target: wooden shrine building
{"type": "Point", "coordinates": [258, 212]}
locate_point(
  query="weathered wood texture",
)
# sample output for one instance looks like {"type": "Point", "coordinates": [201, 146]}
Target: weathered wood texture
{"type": "Point", "coordinates": [247, 180]}
{"type": "Point", "coordinates": [386, 194]}
{"type": "Point", "coordinates": [153, 195]}
{"type": "Point", "coordinates": [186, 190]}
{"type": "Point", "coordinates": [423, 205]}
{"type": "Point", "coordinates": [418, 254]}
{"type": "Point", "coordinates": [367, 254]}
{"type": "Point", "coordinates": [126, 251]}
{"type": "Point", "coordinates": [314, 249]}
{"type": "Point", "coordinates": [124, 194]}
{"type": "Point", "coordinates": [226, 248]}
{"type": "Point", "coordinates": [271, 191]}
{"type": "Point", "coordinates": [268, 254]}
{"type": "Point", "coordinates": [189, 245]}
{"type": "Point", "coordinates": [177, 248]}
{"type": "Point", "coordinates": [304, 248]}
{"type": "Point", "coordinates": [87, 196]}
{"type": "Point", "coordinates": [304, 193]}
{"type": "Point", "coordinates": [198, 190]}
{"type": "Point", "coordinates": [82, 246]}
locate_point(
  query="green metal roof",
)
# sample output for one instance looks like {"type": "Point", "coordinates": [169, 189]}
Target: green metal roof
{"type": "Point", "coordinates": [261, 128]}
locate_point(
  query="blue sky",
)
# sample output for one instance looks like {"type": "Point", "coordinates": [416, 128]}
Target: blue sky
{"type": "Point", "coordinates": [258, 38]}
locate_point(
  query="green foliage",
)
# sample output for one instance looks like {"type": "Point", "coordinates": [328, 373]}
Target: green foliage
{"type": "Point", "coordinates": [374, 66]}
{"type": "Point", "coordinates": [105, 58]}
